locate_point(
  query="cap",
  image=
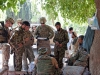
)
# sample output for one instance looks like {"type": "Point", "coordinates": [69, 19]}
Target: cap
{"type": "Point", "coordinates": [42, 50]}
{"type": "Point", "coordinates": [26, 23]}
{"type": "Point", "coordinates": [57, 23]}
{"type": "Point", "coordinates": [10, 19]}
{"type": "Point", "coordinates": [42, 20]}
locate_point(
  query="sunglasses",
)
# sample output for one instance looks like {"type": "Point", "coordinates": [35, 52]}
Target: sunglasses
{"type": "Point", "coordinates": [42, 23]}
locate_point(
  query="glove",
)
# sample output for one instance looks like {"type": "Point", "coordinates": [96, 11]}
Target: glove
{"type": "Point", "coordinates": [37, 37]}
{"type": "Point", "coordinates": [12, 51]}
{"type": "Point", "coordinates": [47, 39]}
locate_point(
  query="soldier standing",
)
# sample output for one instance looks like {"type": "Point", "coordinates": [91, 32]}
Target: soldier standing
{"type": "Point", "coordinates": [60, 40]}
{"type": "Point", "coordinates": [28, 42]}
{"type": "Point", "coordinates": [4, 38]}
{"type": "Point", "coordinates": [17, 43]}
{"type": "Point", "coordinates": [43, 33]}
{"type": "Point", "coordinates": [19, 22]}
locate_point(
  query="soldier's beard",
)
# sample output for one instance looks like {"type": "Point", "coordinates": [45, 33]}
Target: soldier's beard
{"type": "Point", "coordinates": [58, 29]}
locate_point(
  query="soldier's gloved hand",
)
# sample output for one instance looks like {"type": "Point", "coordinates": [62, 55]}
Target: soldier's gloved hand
{"type": "Point", "coordinates": [37, 37]}
{"type": "Point", "coordinates": [47, 39]}
{"type": "Point", "coordinates": [12, 51]}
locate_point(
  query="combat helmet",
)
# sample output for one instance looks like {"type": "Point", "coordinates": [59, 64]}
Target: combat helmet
{"type": "Point", "coordinates": [42, 50]}
{"type": "Point", "coordinates": [19, 20]}
{"type": "Point", "coordinates": [10, 19]}
{"type": "Point", "coordinates": [42, 20]}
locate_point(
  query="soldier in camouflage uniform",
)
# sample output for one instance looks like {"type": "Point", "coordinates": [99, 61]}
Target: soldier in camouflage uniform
{"type": "Point", "coordinates": [19, 23]}
{"type": "Point", "coordinates": [17, 42]}
{"type": "Point", "coordinates": [4, 46]}
{"type": "Point", "coordinates": [60, 40]}
{"type": "Point", "coordinates": [45, 64]}
{"type": "Point", "coordinates": [28, 42]}
{"type": "Point", "coordinates": [81, 57]}
{"type": "Point", "coordinates": [43, 33]}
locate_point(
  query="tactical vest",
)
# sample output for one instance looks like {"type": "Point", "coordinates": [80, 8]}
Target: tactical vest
{"type": "Point", "coordinates": [44, 65]}
{"type": "Point", "coordinates": [3, 35]}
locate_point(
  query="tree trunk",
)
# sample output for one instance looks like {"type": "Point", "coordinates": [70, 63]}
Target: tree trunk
{"type": "Point", "coordinates": [95, 49]}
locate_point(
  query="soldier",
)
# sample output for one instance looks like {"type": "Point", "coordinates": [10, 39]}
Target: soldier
{"type": "Point", "coordinates": [33, 29]}
{"type": "Point", "coordinates": [4, 38]}
{"type": "Point", "coordinates": [43, 33]}
{"type": "Point", "coordinates": [45, 64]}
{"type": "Point", "coordinates": [81, 56]}
{"type": "Point", "coordinates": [17, 43]}
{"type": "Point", "coordinates": [28, 42]}
{"type": "Point", "coordinates": [60, 40]}
{"type": "Point", "coordinates": [19, 22]}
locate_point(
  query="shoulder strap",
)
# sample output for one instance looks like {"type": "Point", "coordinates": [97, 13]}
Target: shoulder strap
{"type": "Point", "coordinates": [2, 23]}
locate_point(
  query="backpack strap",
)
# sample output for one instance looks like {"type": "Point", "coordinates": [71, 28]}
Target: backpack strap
{"type": "Point", "coordinates": [2, 23]}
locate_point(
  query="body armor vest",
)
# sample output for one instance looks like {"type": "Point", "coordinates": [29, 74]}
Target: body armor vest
{"type": "Point", "coordinates": [3, 34]}
{"type": "Point", "coordinates": [44, 65]}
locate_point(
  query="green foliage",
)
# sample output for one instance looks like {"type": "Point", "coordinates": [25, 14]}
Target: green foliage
{"type": "Point", "coordinates": [24, 12]}
{"type": "Point", "coordinates": [76, 10]}
{"type": "Point", "coordinates": [6, 4]}
{"type": "Point", "coordinates": [79, 29]}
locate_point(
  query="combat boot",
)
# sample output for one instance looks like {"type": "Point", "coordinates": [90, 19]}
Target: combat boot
{"type": "Point", "coordinates": [5, 67]}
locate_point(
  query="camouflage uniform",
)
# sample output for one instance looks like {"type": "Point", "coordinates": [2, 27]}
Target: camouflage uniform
{"type": "Point", "coordinates": [80, 58]}
{"type": "Point", "coordinates": [28, 49]}
{"type": "Point", "coordinates": [45, 64]}
{"type": "Point", "coordinates": [62, 38]}
{"type": "Point", "coordinates": [17, 39]}
{"type": "Point", "coordinates": [44, 32]}
{"type": "Point", "coordinates": [5, 51]}
{"type": "Point", "coordinates": [5, 47]}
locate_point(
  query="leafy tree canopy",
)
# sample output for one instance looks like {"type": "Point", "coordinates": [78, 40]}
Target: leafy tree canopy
{"type": "Point", "coordinates": [6, 4]}
{"type": "Point", "coordinates": [76, 10]}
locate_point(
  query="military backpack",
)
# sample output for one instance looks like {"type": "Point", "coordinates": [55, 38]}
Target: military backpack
{"type": "Point", "coordinates": [3, 33]}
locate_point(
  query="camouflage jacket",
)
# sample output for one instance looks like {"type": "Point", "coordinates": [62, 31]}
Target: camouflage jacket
{"type": "Point", "coordinates": [17, 38]}
{"type": "Point", "coordinates": [44, 31]}
{"type": "Point", "coordinates": [28, 34]}
{"type": "Point", "coordinates": [61, 37]}
{"type": "Point", "coordinates": [81, 56]}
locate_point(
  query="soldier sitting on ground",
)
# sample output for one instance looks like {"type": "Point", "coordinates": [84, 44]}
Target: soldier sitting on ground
{"type": "Point", "coordinates": [45, 64]}
{"type": "Point", "coordinates": [81, 57]}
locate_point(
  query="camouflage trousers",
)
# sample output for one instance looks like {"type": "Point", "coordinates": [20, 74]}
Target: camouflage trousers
{"type": "Point", "coordinates": [28, 54]}
{"type": "Point", "coordinates": [43, 43]}
{"type": "Point", "coordinates": [5, 54]}
{"type": "Point", "coordinates": [59, 53]}
{"type": "Point", "coordinates": [18, 59]}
